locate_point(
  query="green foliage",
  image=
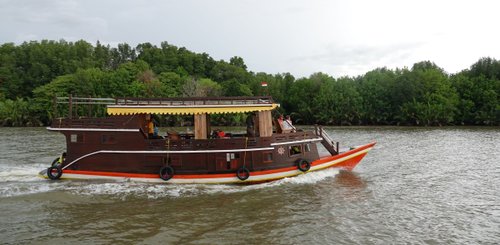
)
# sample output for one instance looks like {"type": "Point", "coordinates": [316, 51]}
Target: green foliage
{"type": "Point", "coordinates": [425, 96]}
{"type": "Point", "coordinates": [301, 96]}
{"type": "Point", "coordinates": [17, 113]}
{"type": "Point", "coordinates": [33, 73]}
{"type": "Point", "coordinates": [479, 89]}
{"type": "Point", "coordinates": [375, 88]}
{"type": "Point", "coordinates": [201, 88]}
{"type": "Point", "coordinates": [237, 62]}
{"type": "Point", "coordinates": [338, 102]}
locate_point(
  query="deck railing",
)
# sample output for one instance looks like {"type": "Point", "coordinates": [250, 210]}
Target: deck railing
{"type": "Point", "coordinates": [195, 101]}
{"type": "Point", "coordinates": [104, 123]}
{"type": "Point", "coordinates": [87, 105]}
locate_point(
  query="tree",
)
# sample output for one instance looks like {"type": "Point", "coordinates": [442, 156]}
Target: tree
{"type": "Point", "coordinates": [425, 96]}
{"type": "Point", "coordinates": [201, 88]}
{"type": "Point", "coordinates": [301, 97]}
{"type": "Point", "coordinates": [478, 90]}
{"type": "Point", "coordinates": [238, 62]}
{"type": "Point", "coordinates": [338, 102]}
{"type": "Point", "coordinates": [17, 113]}
{"type": "Point", "coordinates": [375, 88]}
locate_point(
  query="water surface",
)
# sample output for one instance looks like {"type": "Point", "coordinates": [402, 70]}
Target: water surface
{"type": "Point", "coordinates": [418, 185]}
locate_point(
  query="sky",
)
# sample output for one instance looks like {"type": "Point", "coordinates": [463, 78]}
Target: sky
{"type": "Point", "coordinates": [302, 37]}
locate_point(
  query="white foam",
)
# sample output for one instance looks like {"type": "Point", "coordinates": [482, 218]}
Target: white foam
{"type": "Point", "coordinates": [29, 183]}
{"type": "Point", "coordinates": [20, 173]}
{"type": "Point", "coordinates": [18, 189]}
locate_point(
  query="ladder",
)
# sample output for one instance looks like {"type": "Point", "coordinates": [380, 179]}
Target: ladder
{"type": "Point", "coordinates": [327, 141]}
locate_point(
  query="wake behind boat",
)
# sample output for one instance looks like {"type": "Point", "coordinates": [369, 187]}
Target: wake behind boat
{"type": "Point", "coordinates": [124, 145]}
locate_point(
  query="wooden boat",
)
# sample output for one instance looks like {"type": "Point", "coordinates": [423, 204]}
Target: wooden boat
{"type": "Point", "coordinates": [120, 147]}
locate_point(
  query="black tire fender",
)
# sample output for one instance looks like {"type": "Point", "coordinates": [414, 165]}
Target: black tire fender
{"type": "Point", "coordinates": [303, 165]}
{"type": "Point", "coordinates": [57, 170]}
{"type": "Point", "coordinates": [166, 173]}
{"type": "Point", "coordinates": [243, 173]}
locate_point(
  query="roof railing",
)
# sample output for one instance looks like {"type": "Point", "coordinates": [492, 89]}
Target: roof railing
{"type": "Point", "coordinates": [85, 100]}
{"type": "Point", "coordinates": [75, 102]}
{"type": "Point", "coordinates": [195, 101]}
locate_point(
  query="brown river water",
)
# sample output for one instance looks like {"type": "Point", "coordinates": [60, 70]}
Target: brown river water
{"type": "Point", "coordinates": [417, 186]}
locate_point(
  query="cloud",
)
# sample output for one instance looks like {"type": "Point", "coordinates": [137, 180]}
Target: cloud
{"type": "Point", "coordinates": [58, 19]}
{"type": "Point", "coordinates": [297, 36]}
{"type": "Point", "coordinates": [338, 59]}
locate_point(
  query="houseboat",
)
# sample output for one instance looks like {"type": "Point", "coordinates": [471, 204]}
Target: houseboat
{"type": "Point", "coordinates": [124, 145]}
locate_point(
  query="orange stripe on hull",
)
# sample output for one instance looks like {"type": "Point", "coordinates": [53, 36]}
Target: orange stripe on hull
{"type": "Point", "coordinates": [349, 164]}
{"type": "Point", "coordinates": [341, 155]}
{"type": "Point", "coordinates": [178, 176]}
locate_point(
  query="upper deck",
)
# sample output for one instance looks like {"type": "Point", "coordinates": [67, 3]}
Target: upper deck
{"type": "Point", "coordinates": [191, 106]}
{"type": "Point", "coordinates": [130, 113]}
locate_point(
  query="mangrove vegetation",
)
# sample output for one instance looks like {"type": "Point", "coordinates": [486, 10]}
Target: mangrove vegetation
{"type": "Point", "coordinates": [33, 73]}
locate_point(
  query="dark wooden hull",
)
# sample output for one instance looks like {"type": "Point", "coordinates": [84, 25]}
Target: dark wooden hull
{"type": "Point", "coordinates": [121, 150]}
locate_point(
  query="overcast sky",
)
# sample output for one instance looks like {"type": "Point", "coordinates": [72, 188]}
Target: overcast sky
{"type": "Point", "coordinates": [349, 37]}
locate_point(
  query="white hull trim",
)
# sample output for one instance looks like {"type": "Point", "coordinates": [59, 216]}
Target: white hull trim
{"type": "Point", "coordinates": [94, 129]}
{"type": "Point", "coordinates": [297, 141]}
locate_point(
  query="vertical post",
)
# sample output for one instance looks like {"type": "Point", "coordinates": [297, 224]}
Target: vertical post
{"type": "Point", "coordinates": [90, 106]}
{"type": "Point", "coordinates": [265, 124]}
{"type": "Point", "coordinates": [200, 126]}
{"type": "Point", "coordinates": [70, 101]}
{"type": "Point", "coordinates": [209, 126]}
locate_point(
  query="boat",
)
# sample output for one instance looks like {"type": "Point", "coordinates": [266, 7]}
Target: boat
{"type": "Point", "coordinates": [121, 145]}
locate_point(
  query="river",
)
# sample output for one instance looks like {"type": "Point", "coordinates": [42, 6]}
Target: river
{"type": "Point", "coordinates": [417, 186]}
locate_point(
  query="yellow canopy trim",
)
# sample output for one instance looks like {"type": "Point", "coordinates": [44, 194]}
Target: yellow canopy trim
{"type": "Point", "coordinates": [183, 110]}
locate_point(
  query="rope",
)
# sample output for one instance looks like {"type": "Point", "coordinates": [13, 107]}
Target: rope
{"type": "Point", "coordinates": [130, 119]}
{"type": "Point", "coordinates": [245, 153]}
{"type": "Point", "coordinates": [168, 152]}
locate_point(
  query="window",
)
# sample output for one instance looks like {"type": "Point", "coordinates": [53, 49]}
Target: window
{"type": "Point", "coordinates": [307, 147]}
{"type": "Point", "coordinates": [232, 156]}
{"type": "Point", "coordinates": [76, 138]}
{"type": "Point", "coordinates": [295, 150]}
{"type": "Point", "coordinates": [267, 156]}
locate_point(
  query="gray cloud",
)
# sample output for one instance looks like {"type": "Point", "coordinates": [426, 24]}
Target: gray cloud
{"type": "Point", "coordinates": [298, 36]}
{"type": "Point", "coordinates": [338, 59]}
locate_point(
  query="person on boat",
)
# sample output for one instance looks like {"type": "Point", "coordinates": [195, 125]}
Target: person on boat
{"type": "Point", "coordinates": [221, 134]}
{"type": "Point", "coordinates": [280, 121]}
{"type": "Point", "coordinates": [155, 132]}
{"type": "Point", "coordinates": [280, 127]}
{"type": "Point", "coordinates": [250, 125]}
{"type": "Point", "coordinates": [151, 127]}
{"type": "Point", "coordinates": [60, 160]}
{"type": "Point", "coordinates": [288, 124]}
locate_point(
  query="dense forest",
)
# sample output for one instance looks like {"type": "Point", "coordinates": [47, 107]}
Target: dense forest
{"type": "Point", "coordinates": [33, 73]}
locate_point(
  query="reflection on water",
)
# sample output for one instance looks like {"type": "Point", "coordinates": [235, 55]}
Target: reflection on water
{"type": "Point", "coordinates": [419, 185]}
{"type": "Point", "coordinates": [349, 179]}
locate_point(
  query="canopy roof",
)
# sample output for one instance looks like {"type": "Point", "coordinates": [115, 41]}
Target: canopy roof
{"type": "Point", "coordinates": [190, 106]}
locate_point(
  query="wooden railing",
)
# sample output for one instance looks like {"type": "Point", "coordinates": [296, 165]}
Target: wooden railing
{"type": "Point", "coordinates": [195, 101]}
{"type": "Point", "coordinates": [111, 122]}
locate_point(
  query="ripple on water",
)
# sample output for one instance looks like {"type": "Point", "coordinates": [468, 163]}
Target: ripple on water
{"type": "Point", "coordinates": [419, 185]}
